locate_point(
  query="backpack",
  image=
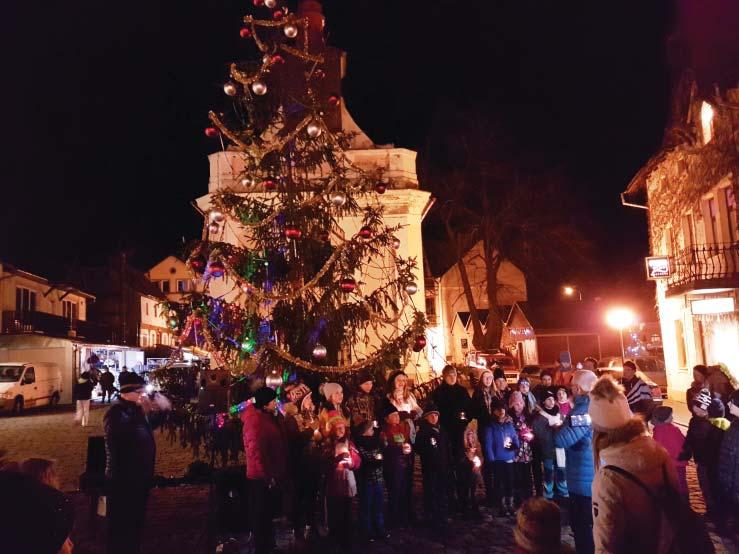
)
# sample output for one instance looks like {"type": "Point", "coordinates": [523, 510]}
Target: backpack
{"type": "Point", "coordinates": [688, 533]}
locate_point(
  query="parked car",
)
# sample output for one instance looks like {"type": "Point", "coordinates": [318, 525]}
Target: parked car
{"type": "Point", "coordinates": [650, 366]}
{"type": "Point", "coordinates": [478, 359]}
{"type": "Point", "coordinates": [29, 384]}
{"type": "Point", "coordinates": [616, 372]}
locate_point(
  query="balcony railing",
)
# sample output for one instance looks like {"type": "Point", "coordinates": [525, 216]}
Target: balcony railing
{"type": "Point", "coordinates": [41, 323]}
{"type": "Point", "coordinates": [704, 266]}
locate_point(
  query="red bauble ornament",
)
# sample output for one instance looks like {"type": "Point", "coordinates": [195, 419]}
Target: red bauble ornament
{"type": "Point", "coordinates": [293, 232]}
{"type": "Point", "coordinates": [198, 264]}
{"type": "Point", "coordinates": [211, 132]}
{"type": "Point", "coordinates": [278, 14]}
{"type": "Point", "coordinates": [245, 32]}
{"type": "Point", "coordinates": [365, 233]}
{"type": "Point", "coordinates": [334, 100]}
{"type": "Point", "coordinates": [276, 59]}
{"type": "Point", "coordinates": [380, 188]}
{"type": "Point", "coordinates": [216, 269]}
{"type": "Point", "coordinates": [269, 184]}
{"type": "Point", "coordinates": [258, 3]}
{"type": "Point", "coordinates": [419, 344]}
{"type": "Point", "coordinates": [347, 284]}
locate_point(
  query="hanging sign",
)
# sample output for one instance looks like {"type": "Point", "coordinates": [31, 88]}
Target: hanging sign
{"type": "Point", "coordinates": [658, 267]}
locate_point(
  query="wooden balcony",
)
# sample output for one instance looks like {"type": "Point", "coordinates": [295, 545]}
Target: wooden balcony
{"type": "Point", "coordinates": [704, 266]}
{"type": "Point", "coordinates": [50, 325]}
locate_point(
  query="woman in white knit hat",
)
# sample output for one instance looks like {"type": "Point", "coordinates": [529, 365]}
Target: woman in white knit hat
{"type": "Point", "coordinates": [625, 517]}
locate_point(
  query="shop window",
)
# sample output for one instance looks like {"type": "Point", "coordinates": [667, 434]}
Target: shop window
{"type": "Point", "coordinates": [682, 358]}
{"type": "Point", "coordinates": [707, 122]}
{"type": "Point", "coordinates": [25, 300]}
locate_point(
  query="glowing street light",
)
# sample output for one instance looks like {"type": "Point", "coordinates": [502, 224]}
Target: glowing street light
{"type": "Point", "coordinates": [620, 318]}
{"type": "Point", "coordinates": [569, 290]}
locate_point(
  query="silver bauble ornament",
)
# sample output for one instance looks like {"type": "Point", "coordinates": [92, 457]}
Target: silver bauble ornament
{"type": "Point", "coordinates": [396, 243]}
{"type": "Point", "coordinates": [411, 288]}
{"type": "Point", "coordinates": [338, 198]}
{"type": "Point", "coordinates": [273, 379]}
{"type": "Point", "coordinates": [216, 217]}
{"type": "Point", "coordinates": [313, 129]}
{"type": "Point", "coordinates": [319, 351]}
{"type": "Point", "coordinates": [213, 228]}
{"type": "Point", "coordinates": [247, 182]}
{"type": "Point", "coordinates": [270, 3]}
{"type": "Point", "coordinates": [230, 88]}
{"type": "Point", "coordinates": [291, 31]}
{"type": "Point", "coordinates": [259, 88]}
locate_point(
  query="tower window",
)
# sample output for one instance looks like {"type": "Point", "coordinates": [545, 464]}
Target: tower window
{"type": "Point", "coordinates": [707, 122]}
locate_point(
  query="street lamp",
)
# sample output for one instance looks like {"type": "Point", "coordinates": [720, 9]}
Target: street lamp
{"type": "Point", "coordinates": [620, 318]}
{"type": "Point", "coordinates": [569, 290]}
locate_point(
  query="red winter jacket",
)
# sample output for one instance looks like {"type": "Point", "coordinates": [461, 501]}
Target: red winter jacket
{"type": "Point", "coordinates": [265, 445]}
{"type": "Point", "coordinates": [670, 437]}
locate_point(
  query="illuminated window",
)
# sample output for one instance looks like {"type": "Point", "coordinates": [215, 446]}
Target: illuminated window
{"type": "Point", "coordinates": [730, 201]}
{"type": "Point", "coordinates": [707, 122]}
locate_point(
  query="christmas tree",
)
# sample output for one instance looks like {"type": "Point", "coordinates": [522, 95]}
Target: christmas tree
{"type": "Point", "coordinates": [286, 289]}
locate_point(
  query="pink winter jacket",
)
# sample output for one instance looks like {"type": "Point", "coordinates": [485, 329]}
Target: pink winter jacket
{"type": "Point", "coordinates": [670, 437]}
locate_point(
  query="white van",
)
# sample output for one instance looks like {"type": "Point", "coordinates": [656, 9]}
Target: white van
{"type": "Point", "coordinates": [29, 384]}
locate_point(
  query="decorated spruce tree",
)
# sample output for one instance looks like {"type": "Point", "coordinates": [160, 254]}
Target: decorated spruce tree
{"type": "Point", "coordinates": [297, 288]}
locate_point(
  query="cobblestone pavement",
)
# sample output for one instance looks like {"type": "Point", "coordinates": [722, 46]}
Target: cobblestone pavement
{"type": "Point", "coordinates": [177, 517]}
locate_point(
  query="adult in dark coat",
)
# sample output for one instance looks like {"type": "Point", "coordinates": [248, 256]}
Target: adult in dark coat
{"type": "Point", "coordinates": [131, 455]}
{"type": "Point", "coordinates": [728, 465]}
{"type": "Point", "coordinates": [432, 445]}
{"type": "Point", "coordinates": [484, 399]}
{"type": "Point", "coordinates": [107, 384]}
{"type": "Point", "coordinates": [265, 445]}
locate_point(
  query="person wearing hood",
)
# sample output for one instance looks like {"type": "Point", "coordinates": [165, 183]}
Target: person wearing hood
{"type": "Point", "coordinates": [545, 424]}
{"type": "Point", "coordinates": [483, 402]}
{"type": "Point", "coordinates": [715, 378]}
{"type": "Point", "coordinates": [625, 518]}
{"type": "Point", "coordinates": [83, 394]}
{"type": "Point", "coordinates": [501, 446]}
{"type": "Point", "coordinates": [672, 440]}
{"type": "Point", "coordinates": [432, 445]}
{"type": "Point", "coordinates": [361, 405]}
{"type": "Point", "coordinates": [265, 446]}
{"type": "Point", "coordinates": [575, 436]}
{"type": "Point", "coordinates": [728, 468]}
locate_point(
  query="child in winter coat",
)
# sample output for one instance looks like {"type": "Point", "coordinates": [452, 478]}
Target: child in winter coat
{"type": "Point", "coordinates": [396, 442]}
{"type": "Point", "coordinates": [563, 401]}
{"type": "Point", "coordinates": [728, 467]}
{"type": "Point", "coordinates": [432, 445]}
{"type": "Point", "coordinates": [469, 471]}
{"type": "Point", "coordinates": [521, 419]}
{"type": "Point", "coordinates": [340, 459]}
{"type": "Point", "coordinates": [544, 425]}
{"type": "Point", "coordinates": [671, 438]}
{"type": "Point", "coordinates": [702, 443]}
{"type": "Point", "coordinates": [501, 443]}
{"type": "Point", "coordinates": [371, 483]}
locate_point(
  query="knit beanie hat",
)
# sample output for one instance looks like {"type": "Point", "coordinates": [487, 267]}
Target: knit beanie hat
{"type": "Point", "coordinates": [38, 519]}
{"type": "Point", "coordinates": [702, 399]}
{"type": "Point", "coordinates": [585, 379]}
{"type": "Point", "coordinates": [498, 373]}
{"type": "Point", "coordinates": [430, 408]}
{"type": "Point", "coordinates": [608, 408]}
{"type": "Point", "coordinates": [716, 408]}
{"type": "Point", "coordinates": [364, 375]}
{"type": "Point", "coordinates": [329, 389]}
{"type": "Point", "coordinates": [538, 526]}
{"type": "Point", "coordinates": [661, 414]}
{"type": "Point", "coordinates": [334, 418]}
{"type": "Point", "coordinates": [263, 396]}
{"type": "Point", "coordinates": [388, 409]}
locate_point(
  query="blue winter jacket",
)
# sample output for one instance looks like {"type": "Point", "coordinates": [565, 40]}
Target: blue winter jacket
{"type": "Point", "coordinates": [495, 435]}
{"type": "Point", "coordinates": [576, 438]}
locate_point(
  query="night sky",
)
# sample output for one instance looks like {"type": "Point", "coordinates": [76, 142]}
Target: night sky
{"type": "Point", "coordinates": [104, 106]}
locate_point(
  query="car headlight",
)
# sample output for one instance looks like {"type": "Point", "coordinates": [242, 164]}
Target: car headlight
{"type": "Point", "coordinates": [6, 395]}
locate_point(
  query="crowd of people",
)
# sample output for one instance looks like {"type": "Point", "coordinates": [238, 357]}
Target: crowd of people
{"type": "Point", "coordinates": [530, 450]}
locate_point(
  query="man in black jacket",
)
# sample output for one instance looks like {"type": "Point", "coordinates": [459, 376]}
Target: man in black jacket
{"type": "Point", "coordinates": [431, 444]}
{"type": "Point", "coordinates": [453, 403]}
{"type": "Point", "coordinates": [131, 454]}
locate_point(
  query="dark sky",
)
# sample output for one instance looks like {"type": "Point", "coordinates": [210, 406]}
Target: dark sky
{"type": "Point", "coordinates": [105, 104]}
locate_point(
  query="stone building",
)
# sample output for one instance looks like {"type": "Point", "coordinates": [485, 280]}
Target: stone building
{"type": "Point", "coordinates": [690, 190]}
